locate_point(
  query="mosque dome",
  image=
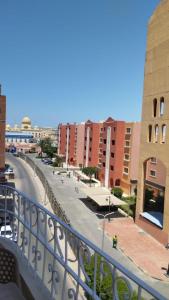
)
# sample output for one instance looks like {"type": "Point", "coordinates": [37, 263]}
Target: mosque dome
{"type": "Point", "coordinates": [26, 123]}
{"type": "Point", "coordinates": [8, 126]}
{"type": "Point", "coordinates": [26, 120]}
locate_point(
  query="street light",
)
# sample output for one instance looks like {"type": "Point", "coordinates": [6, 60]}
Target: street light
{"type": "Point", "coordinates": [104, 216]}
{"type": "Point", "coordinates": [108, 199]}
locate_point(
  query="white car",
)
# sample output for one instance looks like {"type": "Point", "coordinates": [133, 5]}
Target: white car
{"type": "Point", "coordinates": [9, 171]}
{"type": "Point", "coordinates": [6, 231]}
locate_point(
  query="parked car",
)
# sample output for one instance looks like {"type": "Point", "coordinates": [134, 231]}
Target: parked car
{"type": "Point", "coordinates": [6, 231]}
{"type": "Point", "coordinates": [9, 171]}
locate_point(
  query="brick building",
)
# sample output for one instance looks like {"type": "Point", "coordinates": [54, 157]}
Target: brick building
{"type": "Point", "coordinates": [2, 129]}
{"type": "Point", "coordinates": [112, 152]}
{"type": "Point", "coordinates": [92, 143]}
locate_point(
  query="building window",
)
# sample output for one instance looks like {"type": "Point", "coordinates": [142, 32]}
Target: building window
{"type": "Point", "coordinates": [126, 170]}
{"type": "Point", "coordinates": [153, 160]}
{"type": "Point", "coordinates": [152, 173]}
{"type": "Point", "coordinates": [89, 158]}
{"type": "Point", "coordinates": [104, 141]}
{"type": "Point", "coordinates": [128, 130]}
{"type": "Point", "coordinates": [149, 133]}
{"type": "Point", "coordinates": [127, 144]}
{"type": "Point", "coordinates": [90, 139]}
{"type": "Point", "coordinates": [112, 154]}
{"type": "Point", "coordinates": [85, 157]}
{"type": "Point", "coordinates": [156, 133]}
{"type": "Point", "coordinates": [114, 129]}
{"type": "Point", "coordinates": [90, 149]}
{"type": "Point", "coordinates": [103, 164]}
{"type": "Point", "coordinates": [163, 133]}
{"type": "Point", "coordinates": [113, 142]}
{"type": "Point", "coordinates": [112, 168]}
{"type": "Point", "coordinates": [155, 107]}
{"type": "Point", "coordinates": [126, 157]}
{"type": "Point", "coordinates": [161, 106]}
{"type": "Point", "coordinates": [104, 152]}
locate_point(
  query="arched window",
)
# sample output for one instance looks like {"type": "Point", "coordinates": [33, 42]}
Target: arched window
{"type": "Point", "coordinates": [164, 127]}
{"type": "Point", "coordinates": [161, 106]}
{"type": "Point", "coordinates": [155, 107]}
{"type": "Point", "coordinates": [156, 134]}
{"type": "Point", "coordinates": [149, 133]}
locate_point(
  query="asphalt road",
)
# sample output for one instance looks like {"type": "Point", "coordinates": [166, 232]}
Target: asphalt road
{"type": "Point", "coordinates": [23, 181]}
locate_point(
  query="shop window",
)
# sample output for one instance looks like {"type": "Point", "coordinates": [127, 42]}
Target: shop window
{"type": "Point", "coordinates": [155, 107]}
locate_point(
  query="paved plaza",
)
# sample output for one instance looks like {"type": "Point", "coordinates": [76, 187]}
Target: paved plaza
{"type": "Point", "coordinates": [149, 255]}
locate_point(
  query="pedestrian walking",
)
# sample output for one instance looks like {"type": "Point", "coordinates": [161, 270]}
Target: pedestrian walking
{"type": "Point", "coordinates": [53, 172]}
{"type": "Point", "coordinates": [114, 241]}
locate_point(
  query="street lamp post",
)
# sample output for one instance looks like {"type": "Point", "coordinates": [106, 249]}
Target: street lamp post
{"type": "Point", "coordinates": [103, 235]}
{"type": "Point", "coordinates": [108, 199]}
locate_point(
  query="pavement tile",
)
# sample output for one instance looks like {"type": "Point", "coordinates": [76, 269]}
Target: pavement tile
{"type": "Point", "coordinates": [148, 254]}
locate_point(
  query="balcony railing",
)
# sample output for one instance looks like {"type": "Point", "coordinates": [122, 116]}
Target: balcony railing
{"type": "Point", "coordinates": [58, 254]}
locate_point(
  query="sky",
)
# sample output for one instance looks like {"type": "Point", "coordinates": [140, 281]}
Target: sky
{"type": "Point", "coordinates": [73, 60]}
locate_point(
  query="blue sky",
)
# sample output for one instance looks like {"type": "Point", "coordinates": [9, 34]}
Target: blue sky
{"type": "Point", "coordinates": [73, 60]}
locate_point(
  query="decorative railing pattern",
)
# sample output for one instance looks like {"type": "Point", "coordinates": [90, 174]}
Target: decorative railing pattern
{"type": "Point", "coordinates": [58, 254]}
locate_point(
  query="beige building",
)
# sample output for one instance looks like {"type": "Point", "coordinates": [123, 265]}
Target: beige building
{"type": "Point", "coordinates": [131, 158]}
{"type": "Point", "coordinates": [38, 133]}
{"type": "Point", "coordinates": [152, 212]}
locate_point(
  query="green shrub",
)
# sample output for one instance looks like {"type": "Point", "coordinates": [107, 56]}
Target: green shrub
{"type": "Point", "coordinates": [104, 284]}
{"type": "Point", "coordinates": [118, 192]}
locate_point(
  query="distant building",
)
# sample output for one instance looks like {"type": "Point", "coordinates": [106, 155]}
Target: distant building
{"type": "Point", "coordinates": [38, 133]}
{"type": "Point", "coordinates": [2, 130]}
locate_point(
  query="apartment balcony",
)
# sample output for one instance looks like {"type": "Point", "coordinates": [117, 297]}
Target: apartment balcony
{"type": "Point", "coordinates": [42, 257]}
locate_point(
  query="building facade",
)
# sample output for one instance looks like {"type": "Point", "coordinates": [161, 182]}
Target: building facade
{"type": "Point", "coordinates": [152, 212]}
{"type": "Point", "coordinates": [2, 130]}
{"type": "Point", "coordinates": [131, 158]}
{"type": "Point", "coordinates": [112, 152]}
{"type": "Point", "coordinates": [92, 143]}
{"type": "Point", "coordinates": [67, 138]}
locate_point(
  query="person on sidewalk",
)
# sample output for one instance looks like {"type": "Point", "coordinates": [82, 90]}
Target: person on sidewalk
{"type": "Point", "coordinates": [114, 240]}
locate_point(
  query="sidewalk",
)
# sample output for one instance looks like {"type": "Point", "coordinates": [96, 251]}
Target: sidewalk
{"type": "Point", "coordinates": [149, 255]}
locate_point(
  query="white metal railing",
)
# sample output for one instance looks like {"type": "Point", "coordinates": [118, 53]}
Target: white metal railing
{"type": "Point", "coordinates": [59, 255]}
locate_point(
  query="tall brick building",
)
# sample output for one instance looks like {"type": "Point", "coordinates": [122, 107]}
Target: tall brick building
{"type": "Point", "coordinates": [92, 143]}
{"type": "Point", "coordinates": [112, 152]}
{"type": "Point", "coordinates": [2, 129]}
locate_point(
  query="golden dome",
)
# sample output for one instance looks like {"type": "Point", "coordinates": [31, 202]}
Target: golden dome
{"type": "Point", "coordinates": [8, 126]}
{"type": "Point", "coordinates": [26, 120]}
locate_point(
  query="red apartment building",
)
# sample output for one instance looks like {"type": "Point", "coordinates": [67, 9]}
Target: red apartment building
{"type": "Point", "coordinates": [2, 130]}
{"type": "Point", "coordinates": [112, 152]}
{"type": "Point", "coordinates": [92, 143]}
{"type": "Point", "coordinates": [67, 142]}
